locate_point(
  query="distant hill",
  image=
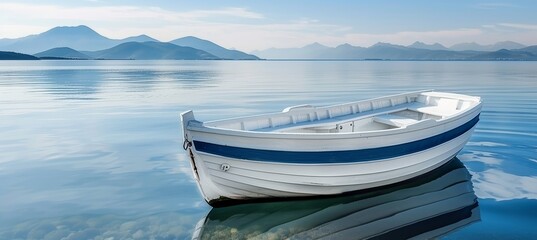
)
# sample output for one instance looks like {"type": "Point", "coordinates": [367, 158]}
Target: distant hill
{"type": "Point", "coordinates": [140, 38]}
{"type": "Point", "coordinates": [16, 56]}
{"type": "Point", "coordinates": [505, 55]}
{"type": "Point", "coordinates": [343, 51]}
{"type": "Point", "coordinates": [151, 51]}
{"type": "Point", "coordinates": [62, 52]}
{"type": "Point", "coordinates": [510, 45]}
{"type": "Point", "coordinates": [530, 49]}
{"type": "Point", "coordinates": [387, 51]}
{"type": "Point", "coordinates": [213, 48]}
{"type": "Point", "coordinates": [493, 47]}
{"type": "Point", "coordinates": [346, 51]}
{"type": "Point", "coordinates": [421, 45]}
{"type": "Point", "coordinates": [398, 52]}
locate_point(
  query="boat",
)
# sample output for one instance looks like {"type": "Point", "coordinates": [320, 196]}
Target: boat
{"type": "Point", "coordinates": [306, 151]}
{"type": "Point", "coordinates": [425, 207]}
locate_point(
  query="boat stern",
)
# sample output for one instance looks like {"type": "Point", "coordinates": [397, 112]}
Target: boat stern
{"type": "Point", "coordinates": [185, 118]}
{"type": "Point", "coordinates": [199, 169]}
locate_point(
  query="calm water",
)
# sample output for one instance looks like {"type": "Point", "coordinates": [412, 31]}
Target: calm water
{"type": "Point", "coordinates": [92, 149]}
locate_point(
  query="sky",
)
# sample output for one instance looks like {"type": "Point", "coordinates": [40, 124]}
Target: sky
{"type": "Point", "coordinates": [258, 25]}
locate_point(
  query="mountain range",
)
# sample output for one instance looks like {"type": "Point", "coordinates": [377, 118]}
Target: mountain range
{"type": "Point", "coordinates": [415, 51]}
{"type": "Point", "coordinates": [151, 50]}
{"type": "Point", "coordinates": [490, 48]}
{"type": "Point", "coordinates": [82, 42]}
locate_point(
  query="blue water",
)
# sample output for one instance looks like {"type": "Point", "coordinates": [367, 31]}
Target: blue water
{"type": "Point", "coordinates": [92, 149]}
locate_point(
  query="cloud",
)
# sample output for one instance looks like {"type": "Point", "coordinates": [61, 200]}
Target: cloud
{"type": "Point", "coordinates": [499, 185]}
{"type": "Point", "coordinates": [118, 13]}
{"type": "Point", "coordinates": [231, 11]}
{"type": "Point", "coordinates": [483, 157]}
{"type": "Point", "coordinates": [519, 26]}
{"type": "Point", "coordinates": [490, 175]}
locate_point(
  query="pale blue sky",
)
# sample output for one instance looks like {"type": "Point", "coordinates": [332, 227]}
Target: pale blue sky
{"type": "Point", "coordinates": [251, 25]}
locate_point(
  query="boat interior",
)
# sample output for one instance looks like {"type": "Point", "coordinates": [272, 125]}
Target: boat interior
{"type": "Point", "coordinates": [385, 121]}
{"type": "Point", "coordinates": [392, 112]}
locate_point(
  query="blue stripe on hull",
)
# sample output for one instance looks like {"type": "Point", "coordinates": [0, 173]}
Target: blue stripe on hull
{"type": "Point", "coordinates": [345, 156]}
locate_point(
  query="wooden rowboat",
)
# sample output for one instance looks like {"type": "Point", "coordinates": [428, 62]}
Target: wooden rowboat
{"type": "Point", "coordinates": [308, 151]}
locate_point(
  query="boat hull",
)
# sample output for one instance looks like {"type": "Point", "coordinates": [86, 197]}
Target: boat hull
{"type": "Point", "coordinates": [251, 180]}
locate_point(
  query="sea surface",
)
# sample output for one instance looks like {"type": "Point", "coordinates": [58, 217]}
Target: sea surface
{"type": "Point", "coordinates": [93, 149]}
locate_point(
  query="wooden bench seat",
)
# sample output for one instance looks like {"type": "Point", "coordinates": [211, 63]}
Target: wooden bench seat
{"type": "Point", "coordinates": [335, 120]}
{"type": "Point", "coordinates": [394, 120]}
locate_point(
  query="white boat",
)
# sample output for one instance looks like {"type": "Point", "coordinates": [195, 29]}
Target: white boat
{"type": "Point", "coordinates": [426, 207]}
{"type": "Point", "coordinates": [307, 151]}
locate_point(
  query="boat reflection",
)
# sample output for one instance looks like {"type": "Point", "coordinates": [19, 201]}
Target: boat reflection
{"type": "Point", "coordinates": [428, 206]}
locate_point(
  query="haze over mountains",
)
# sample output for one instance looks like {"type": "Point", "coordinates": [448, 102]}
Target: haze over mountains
{"type": "Point", "coordinates": [416, 51]}
{"type": "Point", "coordinates": [493, 47]}
{"type": "Point", "coordinates": [82, 42]}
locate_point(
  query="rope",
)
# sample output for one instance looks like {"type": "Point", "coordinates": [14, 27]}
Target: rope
{"type": "Point", "coordinates": [186, 144]}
